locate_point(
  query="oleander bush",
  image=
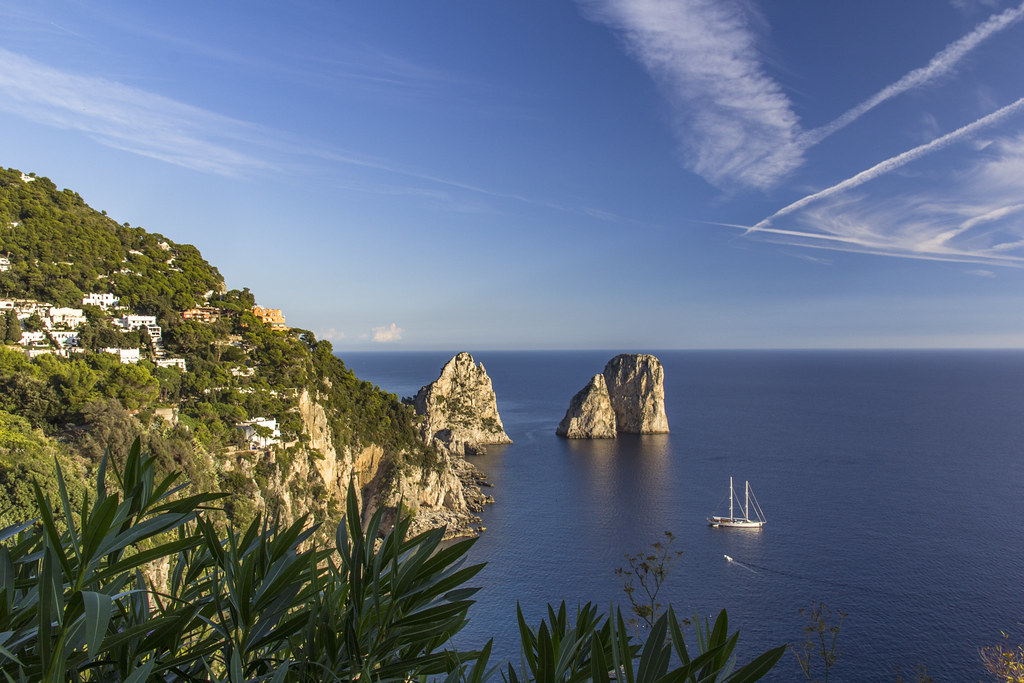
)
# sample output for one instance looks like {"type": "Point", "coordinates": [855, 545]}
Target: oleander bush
{"type": "Point", "coordinates": [134, 582]}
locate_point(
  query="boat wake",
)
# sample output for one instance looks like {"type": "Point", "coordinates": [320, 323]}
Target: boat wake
{"type": "Point", "coordinates": [757, 569]}
{"type": "Point", "coordinates": [739, 564]}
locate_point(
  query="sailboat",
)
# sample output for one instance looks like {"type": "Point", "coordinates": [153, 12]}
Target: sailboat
{"type": "Point", "coordinates": [744, 522]}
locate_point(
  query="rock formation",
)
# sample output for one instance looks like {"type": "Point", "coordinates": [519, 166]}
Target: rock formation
{"type": "Point", "coordinates": [447, 494]}
{"type": "Point", "coordinates": [636, 384]}
{"type": "Point", "coordinates": [459, 409]}
{"type": "Point", "coordinates": [628, 397]}
{"type": "Point", "coordinates": [590, 414]}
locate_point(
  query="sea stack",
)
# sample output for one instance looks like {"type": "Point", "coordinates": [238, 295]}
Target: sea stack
{"type": "Point", "coordinates": [590, 414]}
{"type": "Point", "coordinates": [459, 408]}
{"type": "Point", "coordinates": [636, 385]}
{"type": "Point", "coordinates": [628, 397]}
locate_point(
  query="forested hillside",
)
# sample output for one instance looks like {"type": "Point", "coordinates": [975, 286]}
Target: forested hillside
{"type": "Point", "coordinates": [201, 396]}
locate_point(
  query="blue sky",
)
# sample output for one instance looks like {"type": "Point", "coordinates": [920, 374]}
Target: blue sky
{"type": "Point", "coordinates": [614, 174]}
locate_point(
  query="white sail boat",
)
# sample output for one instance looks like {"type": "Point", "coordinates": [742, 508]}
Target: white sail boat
{"type": "Point", "coordinates": [744, 522]}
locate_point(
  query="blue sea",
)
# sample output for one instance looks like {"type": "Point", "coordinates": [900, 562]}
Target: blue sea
{"type": "Point", "coordinates": [892, 483]}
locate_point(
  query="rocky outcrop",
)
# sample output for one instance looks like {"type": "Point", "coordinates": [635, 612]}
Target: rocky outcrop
{"type": "Point", "coordinates": [313, 478]}
{"type": "Point", "coordinates": [590, 414]}
{"type": "Point", "coordinates": [628, 397]}
{"type": "Point", "coordinates": [636, 384]}
{"type": "Point", "coordinates": [459, 409]}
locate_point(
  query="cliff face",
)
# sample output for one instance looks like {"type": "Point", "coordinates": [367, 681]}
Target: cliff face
{"type": "Point", "coordinates": [629, 397]}
{"type": "Point", "coordinates": [314, 479]}
{"type": "Point", "coordinates": [590, 414]}
{"type": "Point", "coordinates": [459, 409]}
{"type": "Point", "coordinates": [636, 384]}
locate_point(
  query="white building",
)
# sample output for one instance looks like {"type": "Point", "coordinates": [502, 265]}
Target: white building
{"type": "Point", "coordinates": [64, 338]}
{"type": "Point", "coordinates": [138, 322]}
{"type": "Point", "coordinates": [256, 441]}
{"type": "Point", "coordinates": [104, 301]}
{"type": "Point", "coordinates": [26, 308]}
{"type": "Point", "coordinates": [125, 355]}
{"type": "Point", "coordinates": [32, 338]}
{"type": "Point", "coordinates": [72, 318]}
{"type": "Point", "coordinates": [172, 363]}
{"type": "Point", "coordinates": [5, 264]}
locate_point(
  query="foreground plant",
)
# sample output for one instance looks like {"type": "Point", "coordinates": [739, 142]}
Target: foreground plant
{"type": "Point", "coordinates": [270, 603]}
{"type": "Point", "coordinates": [821, 632]}
{"type": "Point", "coordinates": [1004, 662]}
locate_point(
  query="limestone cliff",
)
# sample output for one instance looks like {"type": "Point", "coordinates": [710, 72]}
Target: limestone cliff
{"type": "Point", "coordinates": [629, 396]}
{"type": "Point", "coordinates": [590, 414]}
{"type": "Point", "coordinates": [636, 384]}
{"type": "Point", "coordinates": [459, 409]}
{"type": "Point", "coordinates": [314, 477]}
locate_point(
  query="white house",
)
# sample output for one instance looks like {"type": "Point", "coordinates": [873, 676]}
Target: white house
{"type": "Point", "coordinates": [32, 338]}
{"type": "Point", "coordinates": [104, 301]}
{"type": "Point", "coordinates": [125, 355]}
{"type": "Point", "coordinates": [65, 338]}
{"type": "Point", "coordinates": [256, 441]}
{"type": "Point", "coordinates": [172, 363]}
{"type": "Point", "coordinates": [26, 308]}
{"type": "Point", "coordinates": [72, 318]}
{"type": "Point", "coordinates": [5, 264]}
{"type": "Point", "coordinates": [137, 322]}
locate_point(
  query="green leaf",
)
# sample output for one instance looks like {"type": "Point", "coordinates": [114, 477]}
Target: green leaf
{"type": "Point", "coordinates": [97, 617]}
{"type": "Point", "coordinates": [141, 674]}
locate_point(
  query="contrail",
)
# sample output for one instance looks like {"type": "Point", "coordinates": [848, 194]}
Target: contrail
{"type": "Point", "coordinates": [940, 64]}
{"type": "Point", "coordinates": [895, 162]}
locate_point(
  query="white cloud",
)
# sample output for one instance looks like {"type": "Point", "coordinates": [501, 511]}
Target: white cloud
{"type": "Point", "coordinates": [127, 118]}
{"type": "Point", "coordinates": [980, 272]}
{"type": "Point", "coordinates": [387, 334]}
{"type": "Point", "coordinates": [895, 162]}
{"type": "Point", "coordinates": [972, 215]}
{"type": "Point", "coordinates": [940, 65]}
{"type": "Point", "coordinates": [331, 334]}
{"type": "Point", "coordinates": [734, 123]}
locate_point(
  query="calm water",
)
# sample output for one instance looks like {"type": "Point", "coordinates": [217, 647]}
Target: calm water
{"type": "Point", "coordinates": [891, 482]}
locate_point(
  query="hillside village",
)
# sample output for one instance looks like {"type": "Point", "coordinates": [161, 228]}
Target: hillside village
{"type": "Point", "coordinates": [110, 333]}
{"type": "Point", "coordinates": [42, 328]}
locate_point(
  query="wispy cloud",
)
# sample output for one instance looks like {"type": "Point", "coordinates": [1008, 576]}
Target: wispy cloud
{"type": "Point", "coordinates": [972, 215]}
{"type": "Point", "coordinates": [151, 125]}
{"type": "Point", "coordinates": [733, 122]}
{"type": "Point", "coordinates": [127, 118]}
{"type": "Point", "coordinates": [940, 65]}
{"type": "Point", "coordinates": [387, 333]}
{"type": "Point", "coordinates": [895, 162]}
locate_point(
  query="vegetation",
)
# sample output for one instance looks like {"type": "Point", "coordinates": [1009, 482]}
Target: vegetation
{"type": "Point", "coordinates": [1004, 662]}
{"type": "Point", "coordinates": [821, 632]}
{"type": "Point", "coordinates": [238, 368]}
{"type": "Point", "coordinates": [647, 572]}
{"type": "Point", "coordinates": [80, 601]}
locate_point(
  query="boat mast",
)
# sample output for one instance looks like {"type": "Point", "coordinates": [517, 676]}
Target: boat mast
{"type": "Point", "coordinates": [730, 497]}
{"type": "Point", "coordinates": [746, 501]}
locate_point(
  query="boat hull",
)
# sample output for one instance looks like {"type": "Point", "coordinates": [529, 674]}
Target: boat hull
{"type": "Point", "coordinates": [735, 523]}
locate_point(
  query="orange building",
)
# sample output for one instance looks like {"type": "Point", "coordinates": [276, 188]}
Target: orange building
{"type": "Point", "coordinates": [270, 316]}
{"type": "Point", "coordinates": [204, 314]}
